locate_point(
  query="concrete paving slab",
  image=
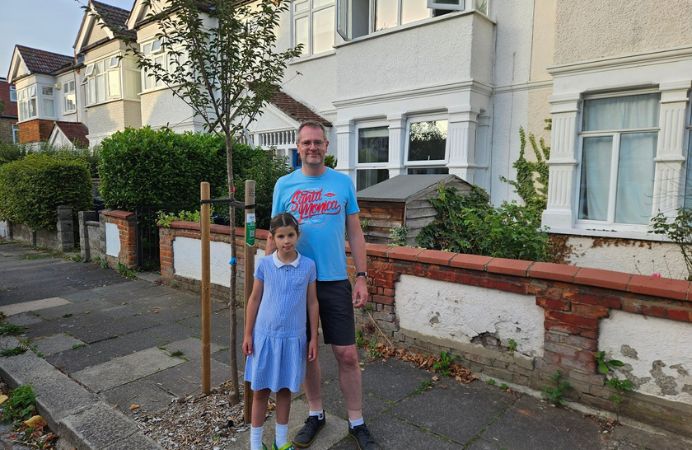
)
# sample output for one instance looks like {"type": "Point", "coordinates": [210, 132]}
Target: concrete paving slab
{"type": "Point", "coordinates": [628, 438]}
{"type": "Point", "coordinates": [99, 352]}
{"type": "Point", "coordinates": [185, 379]}
{"type": "Point", "coordinates": [333, 400]}
{"type": "Point", "coordinates": [334, 431]}
{"type": "Point", "coordinates": [146, 394]}
{"type": "Point", "coordinates": [377, 379]}
{"type": "Point", "coordinates": [134, 442]}
{"type": "Point", "coordinates": [57, 343]}
{"type": "Point", "coordinates": [124, 369]}
{"type": "Point", "coordinates": [24, 319]}
{"type": "Point", "coordinates": [16, 308]}
{"type": "Point", "coordinates": [467, 409]}
{"type": "Point", "coordinates": [523, 427]}
{"type": "Point", "coordinates": [97, 427]}
{"type": "Point", "coordinates": [191, 348]}
{"type": "Point", "coordinates": [98, 326]}
{"type": "Point", "coordinates": [72, 309]}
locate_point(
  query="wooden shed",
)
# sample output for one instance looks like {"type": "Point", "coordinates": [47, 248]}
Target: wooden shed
{"type": "Point", "coordinates": [402, 201]}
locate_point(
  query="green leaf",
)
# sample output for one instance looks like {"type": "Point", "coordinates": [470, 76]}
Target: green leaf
{"type": "Point", "coordinates": [603, 368]}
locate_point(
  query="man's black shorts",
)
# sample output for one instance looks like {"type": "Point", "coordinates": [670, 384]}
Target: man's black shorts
{"type": "Point", "coordinates": [336, 312]}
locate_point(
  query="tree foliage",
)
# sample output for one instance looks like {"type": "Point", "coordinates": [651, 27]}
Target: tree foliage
{"type": "Point", "coordinates": [679, 230]}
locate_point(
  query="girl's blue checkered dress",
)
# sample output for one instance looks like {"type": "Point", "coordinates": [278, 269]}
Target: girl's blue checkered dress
{"type": "Point", "coordinates": [279, 350]}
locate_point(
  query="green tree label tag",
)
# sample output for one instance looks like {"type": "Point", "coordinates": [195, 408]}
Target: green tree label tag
{"type": "Point", "coordinates": [250, 228]}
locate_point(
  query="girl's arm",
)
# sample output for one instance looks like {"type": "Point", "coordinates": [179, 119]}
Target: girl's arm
{"type": "Point", "coordinates": [314, 316]}
{"type": "Point", "coordinates": [251, 315]}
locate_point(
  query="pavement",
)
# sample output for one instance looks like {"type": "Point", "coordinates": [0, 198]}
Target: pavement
{"type": "Point", "coordinates": [102, 342]}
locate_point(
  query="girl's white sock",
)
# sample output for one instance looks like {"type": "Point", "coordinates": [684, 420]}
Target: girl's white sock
{"type": "Point", "coordinates": [281, 435]}
{"type": "Point", "coordinates": [256, 438]}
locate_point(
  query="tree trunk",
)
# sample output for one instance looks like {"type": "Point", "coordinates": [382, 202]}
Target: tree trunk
{"type": "Point", "coordinates": [235, 394]}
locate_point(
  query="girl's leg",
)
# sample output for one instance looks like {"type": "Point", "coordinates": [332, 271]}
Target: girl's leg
{"type": "Point", "coordinates": [259, 411]}
{"type": "Point", "coordinates": [283, 408]}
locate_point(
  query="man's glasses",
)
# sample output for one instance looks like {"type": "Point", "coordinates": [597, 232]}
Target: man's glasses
{"type": "Point", "coordinates": [309, 143]}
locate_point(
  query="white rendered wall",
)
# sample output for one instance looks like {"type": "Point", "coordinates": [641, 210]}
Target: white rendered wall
{"type": "Point", "coordinates": [638, 257]}
{"type": "Point", "coordinates": [161, 108]}
{"type": "Point", "coordinates": [4, 229]}
{"type": "Point", "coordinates": [112, 240]}
{"type": "Point", "coordinates": [187, 260]}
{"type": "Point", "coordinates": [656, 353]}
{"type": "Point", "coordinates": [458, 313]}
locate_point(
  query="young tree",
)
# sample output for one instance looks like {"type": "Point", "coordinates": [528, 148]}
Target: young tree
{"type": "Point", "coordinates": [224, 64]}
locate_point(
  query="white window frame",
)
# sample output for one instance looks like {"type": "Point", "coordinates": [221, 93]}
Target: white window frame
{"type": "Point", "coordinates": [609, 224]}
{"type": "Point", "coordinates": [13, 93]}
{"type": "Point", "coordinates": [98, 73]}
{"type": "Point", "coordinates": [446, 6]}
{"type": "Point", "coordinates": [442, 163]}
{"type": "Point", "coordinates": [370, 165]}
{"type": "Point", "coordinates": [15, 133]}
{"type": "Point", "coordinates": [685, 203]}
{"type": "Point", "coordinates": [149, 83]}
{"type": "Point", "coordinates": [66, 92]}
{"type": "Point", "coordinates": [25, 96]}
{"type": "Point", "coordinates": [45, 99]}
{"type": "Point", "coordinates": [373, 15]}
{"type": "Point", "coordinates": [308, 50]}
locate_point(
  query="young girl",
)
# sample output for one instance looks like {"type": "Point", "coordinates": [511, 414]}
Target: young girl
{"type": "Point", "coordinates": [275, 340]}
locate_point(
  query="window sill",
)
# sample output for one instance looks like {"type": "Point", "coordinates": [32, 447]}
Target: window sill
{"type": "Point", "coordinates": [409, 26]}
{"type": "Point", "coordinates": [105, 102]}
{"type": "Point", "coordinates": [636, 232]}
{"type": "Point", "coordinates": [302, 59]}
{"type": "Point", "coordinates": [69, 113]}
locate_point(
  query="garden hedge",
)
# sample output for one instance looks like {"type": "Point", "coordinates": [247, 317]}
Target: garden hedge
{"type": "Point", "coordinates": [31, 189]}
{"type": "Point", "coordinates": [161, 171]}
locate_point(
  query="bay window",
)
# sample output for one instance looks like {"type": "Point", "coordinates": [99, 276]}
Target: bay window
{"type": "Point", "coordinates": [427, 146]}
{"type": "Point", "coordinates": [392, 13]}
{"type": "Point", "coordinates": [70, 101]}
{"type": "Point", "coordinates": [27, 102]}
{"type": "Point", "coordinates": [373, 156]}
{"type": "Point", "coordinates": [313, 25]}
{"type": "Point", "coordinates": [618, 147]}
{"type": "Point", "coordinates": [103, 80]}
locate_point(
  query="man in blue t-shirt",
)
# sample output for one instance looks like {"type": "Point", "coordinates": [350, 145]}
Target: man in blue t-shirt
{"type": "Point", "coordinates": [324, 202]}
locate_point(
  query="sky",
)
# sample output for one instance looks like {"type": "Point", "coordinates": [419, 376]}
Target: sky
{"type": "Point", "coordinates": [50, 25]}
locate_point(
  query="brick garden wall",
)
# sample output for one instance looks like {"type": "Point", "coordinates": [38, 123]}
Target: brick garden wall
{"type": "Point", "coordinates": [572, 305]}
{"type": "Point", "coordinates": [126, 223]}
{"type": "Point", "coordinates": [574, 302]}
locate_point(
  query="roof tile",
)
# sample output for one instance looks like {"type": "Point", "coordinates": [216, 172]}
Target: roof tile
{"type": "Point", "coordinates": [41, 61]}
{"type": "Point", "coordinates": [295, 109]}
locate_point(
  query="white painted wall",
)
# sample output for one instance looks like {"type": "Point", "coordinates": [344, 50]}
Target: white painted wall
{"type": "Point", "coordinates": [112, 240]}
{"type": "Point", "coordinates": [458, 313]}
{"type": "Point", "coordinates": [656, 353]}
{"type": "Point", "coordinates": [187, 260]}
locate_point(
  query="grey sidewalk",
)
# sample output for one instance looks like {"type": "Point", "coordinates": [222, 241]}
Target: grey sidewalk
{"type": "Point", "coordinates": [104, 342]}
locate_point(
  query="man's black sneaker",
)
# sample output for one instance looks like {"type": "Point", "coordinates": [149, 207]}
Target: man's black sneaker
{"type": "Point", "coordinates": [363, 439]}
{"type": "Point", "coordinates": [309, 431]}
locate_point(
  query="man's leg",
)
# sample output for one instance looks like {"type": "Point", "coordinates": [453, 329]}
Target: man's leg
{"type": "Point", "coordinates": [350, 379]}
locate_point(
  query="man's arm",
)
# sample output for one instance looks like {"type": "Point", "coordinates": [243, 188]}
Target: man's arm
{"type": "Point", "coordinates": [357, 242]}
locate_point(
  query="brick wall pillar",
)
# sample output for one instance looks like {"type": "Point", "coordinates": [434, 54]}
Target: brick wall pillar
{"type": "Point", "coordinates": [65, 229]}
{"type": "Point", "coordinates": [127, 233]}
{"type": "Point", "coordinates": [84, 248]}
{"type": "Point", "coordinates": [166, 236]}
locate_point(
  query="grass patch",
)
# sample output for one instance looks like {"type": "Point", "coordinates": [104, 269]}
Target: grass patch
{"type": "Point", "coordinates": [10, 329]}
{"type": "Point", "coordinates": [423, 386]}
{"type": "Point", "coordinates": [12, 351]}
{"type": "Point", "coordinates": [20, 405]}
{"type": "Point", "coordinates": [178, 354]}
{"type": "Point", "coordinates": [33, 256]}
{"type": "Point", "coordinates": [78, 346]}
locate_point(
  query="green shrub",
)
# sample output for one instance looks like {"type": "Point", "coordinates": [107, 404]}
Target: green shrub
{"type": "Point", "coordinates": [160, 170]}
{"type": "Point", "coordinates": [32, 188]}
{"type": "Point", "coordinates": [11, 152]}
{"type": "Point", "coordinates": [21, 404]}
{"type": "Point", "coordinates": [470, 224]}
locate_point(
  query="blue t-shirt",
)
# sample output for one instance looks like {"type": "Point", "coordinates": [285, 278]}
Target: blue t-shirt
{"type": "Point", "coordinates": [321, 205]}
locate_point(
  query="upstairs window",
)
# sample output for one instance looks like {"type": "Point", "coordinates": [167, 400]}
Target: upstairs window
{"type": "Point", "coordinates": [48, 102]}
{"type": "Point", "coordinates": [27, 102]}
{"type": "Point", "coordinates": [103, 80]}
{"type": "Point", "coordinates": [392, 13]}
{"type": "Point", "coordinates": [313, 25]}
{"type": "Point", "coordinates": [70, 102]}
{"type": "Point", "coordinates": [155, 53]}
{"type": "Point", "coordinates": [618, 146]}
{"type": "Point", "coordinates": [13, 93]}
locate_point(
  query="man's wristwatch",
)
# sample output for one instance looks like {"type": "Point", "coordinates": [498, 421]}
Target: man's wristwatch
{"type": "Point", "coordinates": [361, 274]}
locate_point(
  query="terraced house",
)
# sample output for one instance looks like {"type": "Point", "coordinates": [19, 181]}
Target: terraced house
{"type": "Point", "coordinates": [436, 87]}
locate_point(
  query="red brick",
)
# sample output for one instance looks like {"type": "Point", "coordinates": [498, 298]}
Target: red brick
{"type": "Point", "coordinates": [654, 310]}
{"type": "Point", "coordinates": [383, 299]}
{"type": "Point", "coordinates": [597, 312]}
{"type": "Point", "coordinates": [507, 286]}
{"type": "Point", "coordinates": [680, 314]}
{"type": "Point", "coordinates": [118, 214]}
{"type": "Point", "coordinates": [516, 267]}
{"type": "Point", "coordinates": [659, 287]}
{"type": "Point", "coordinates": [589, 334]}
{"type": "Point", "coordinates": [550, 271]}
{"type": "Point", "coordinates": [404, 253]}
{"type": "Point", "coordinates": [442, 275]}
{"type": "Point", "coordinates": [554, 304]}
{"type": "Point", "coordinates": [601, 300]}
{"type": "Point", "coordinates": [603, 278]}
{"type": "Point", "coordinates": [473, 262]}
{"type": "Point", "coordinates": [588, 323]}
{"type": "Point", "coordinates": [376, 249]}
{"type": "Point", "coordinates": [435, 257]}
{"type": "Point", "coordinates": [388, 292]}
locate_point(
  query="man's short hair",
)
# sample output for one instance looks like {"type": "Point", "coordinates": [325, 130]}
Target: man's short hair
{"type": "Point", "coordinates": [311, 124]}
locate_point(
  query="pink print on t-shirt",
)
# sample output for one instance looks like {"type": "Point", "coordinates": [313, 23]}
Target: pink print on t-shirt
{"type": "Point", "coordinates": [309, 203]}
